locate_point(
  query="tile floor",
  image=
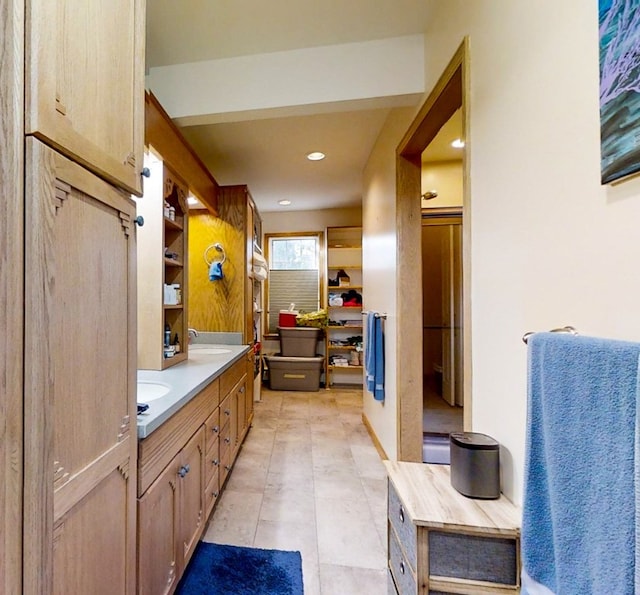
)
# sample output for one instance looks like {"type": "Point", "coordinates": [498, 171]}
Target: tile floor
{"type": "Point", "coordinates": [438, 416]}
{"type": "Point", "coordinates": [308, 478]}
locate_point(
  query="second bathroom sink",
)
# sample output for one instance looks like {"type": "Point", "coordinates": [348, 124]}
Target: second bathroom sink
{"type": "Point", "coordinates": [149, 391]}
{"type": "Point", "coordinates": [209, 350]}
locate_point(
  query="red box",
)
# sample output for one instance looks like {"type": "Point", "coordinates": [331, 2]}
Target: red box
{"type": "Point", "coordinates": [287, 319]}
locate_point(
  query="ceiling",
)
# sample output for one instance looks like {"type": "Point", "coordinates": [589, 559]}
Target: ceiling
{"type": "Point", "coordinates": [267, 153]}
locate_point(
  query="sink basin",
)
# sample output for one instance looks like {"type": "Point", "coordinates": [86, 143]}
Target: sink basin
{"type": "Point", "coordinates": [209, 350]}
{"type": "Point", "coordinates": [149, 391]}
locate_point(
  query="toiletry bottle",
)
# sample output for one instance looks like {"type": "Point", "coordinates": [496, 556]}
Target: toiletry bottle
{"type": "Point", "coordinates": [167, 335]}
{"type": "Point", "coordinates": [176, 344]}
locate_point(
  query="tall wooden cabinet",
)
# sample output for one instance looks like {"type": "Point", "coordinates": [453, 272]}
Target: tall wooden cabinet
{"type": "Point", "coordinates": [83, 87]}
{"type": "Point", "coordinates": [79, 426]}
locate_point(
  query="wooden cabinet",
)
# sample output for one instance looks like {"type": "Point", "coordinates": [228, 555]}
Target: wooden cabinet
{"type": "Point", "coordinates": [439, 541]}
{"type": "Point", "coordinates": [344, 334]}
{"type": "Point", "coordinates": [182, 468]}
{"type": "Point", "coordinates": [79, 388]}
{"type": "Point", "coordinates": [85, 83]}
{"type": "Point", "coordinates": [162, 268]}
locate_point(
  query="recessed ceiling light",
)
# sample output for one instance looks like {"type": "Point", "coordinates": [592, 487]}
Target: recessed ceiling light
{"type": "Point", "coordinates": [315, 156]}
{"type": "Point", "coordinates": [192, 200]}
{"type": "Point", "coordinates": [458, 144]}
{"type": "Point", "coordinates": [284, 203]}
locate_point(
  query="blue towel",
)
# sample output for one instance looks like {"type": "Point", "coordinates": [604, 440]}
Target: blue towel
{"type": "Point", "coordinates": [215, 271]}
{"type": "Point", "coordinates": [579, 512]}
{"type": "Point", "coordinates": [374, 356]}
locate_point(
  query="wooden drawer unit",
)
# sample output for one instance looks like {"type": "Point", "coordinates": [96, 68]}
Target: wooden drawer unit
{"type": "Point", "coordinates": [441, 542]}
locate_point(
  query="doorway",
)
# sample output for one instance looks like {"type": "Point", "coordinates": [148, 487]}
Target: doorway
{"type": "Point", "coordinates": [449, 95]}
{"type": "Point", "coordinates": [442, 393]}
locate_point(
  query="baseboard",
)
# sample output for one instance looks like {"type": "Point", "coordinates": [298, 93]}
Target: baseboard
{"type": "Point", "coordinates": [374, 438]}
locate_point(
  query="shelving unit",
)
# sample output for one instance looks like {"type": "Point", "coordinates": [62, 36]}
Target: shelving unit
{"type": "Point", "coordinates": [161, 234]}
{"type": "Point", "coordinates": [343, 335]}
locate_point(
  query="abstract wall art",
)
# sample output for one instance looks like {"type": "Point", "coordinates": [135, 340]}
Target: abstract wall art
{"type": "Point", "coordinates": [619, 22]}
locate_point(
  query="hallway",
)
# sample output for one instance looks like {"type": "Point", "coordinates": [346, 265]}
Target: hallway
{"type": "Point", "coordinates": [308, 478]}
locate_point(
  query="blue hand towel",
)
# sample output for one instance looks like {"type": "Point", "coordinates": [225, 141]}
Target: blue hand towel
{"type": "Point", "coordinates": [215, 271]}
{"type": "Point", "coordinates": [579, 511]}
{"type": "Point", "coordinates": [374, 357]}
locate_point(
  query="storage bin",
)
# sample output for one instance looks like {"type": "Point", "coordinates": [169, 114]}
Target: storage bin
{"type": "Point", "coordinates": [294, 373]}
{"type": "Point", "coordinates": [300, 341]}
{"type": "Point", "coordinates": [475, 464]}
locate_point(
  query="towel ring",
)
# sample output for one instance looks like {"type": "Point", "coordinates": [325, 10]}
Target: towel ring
{"type": "Point", "coordinates": [218, 247]}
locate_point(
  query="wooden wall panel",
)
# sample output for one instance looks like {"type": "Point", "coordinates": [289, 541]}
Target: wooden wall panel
{"type": "Point", "coordinates": [11, 293]}
{"type": "Point", "coordinates": [218, 306]}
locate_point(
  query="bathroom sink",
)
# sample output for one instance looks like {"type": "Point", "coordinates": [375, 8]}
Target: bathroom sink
{"type": "Point", "coordinates": [149, 391]}
{"type": "Point", "coordinates": [209, 350]}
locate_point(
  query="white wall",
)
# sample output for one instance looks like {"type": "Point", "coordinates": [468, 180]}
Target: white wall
{"type": "Point", "coordinates": [550, 246]}
{"type": "Point", "coordinates": [379, 265]}
{"type": "Point", "coordinates": [446, 178]}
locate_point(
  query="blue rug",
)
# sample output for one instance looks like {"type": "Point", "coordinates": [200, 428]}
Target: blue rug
{"type": "Point", "coordinates": [217, 569]}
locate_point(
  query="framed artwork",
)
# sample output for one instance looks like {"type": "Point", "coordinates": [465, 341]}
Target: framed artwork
{"type": "Point", "coordinates": [619, 22]}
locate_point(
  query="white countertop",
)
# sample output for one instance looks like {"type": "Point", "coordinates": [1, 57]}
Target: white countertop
{"type": "Point", "coordinates": [185, 380]}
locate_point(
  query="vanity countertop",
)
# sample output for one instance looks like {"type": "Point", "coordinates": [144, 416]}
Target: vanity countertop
{"type": "Point", "coordinates": [184, 380]}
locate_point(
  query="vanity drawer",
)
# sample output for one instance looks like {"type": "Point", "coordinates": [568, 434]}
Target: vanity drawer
{"type": "Point", "coordinates": [404, 528]}
{"type": "Point", "coordinates": [212, 491]}
{"type": "Point", "coordinates": [212, 430]}
{"type": "Point", "coordinates": [473, 557]}
{"type": "Point", "coordinates": [401, 570]}
{"type": "Point", "coordinates": [211, 461]}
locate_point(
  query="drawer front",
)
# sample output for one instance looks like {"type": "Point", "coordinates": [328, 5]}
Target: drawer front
{"type": "Point", "coordinates": [473, 557]}
{"type": "Point", "coordinates": [211, 461]}
{"type": "Point", "coordinates": [404, 528]}
{"type": "Point", "coordinates": [391, 586]}
{"type": "Point", "coordinates": [232, 376]}
{"type": "Point", "coordinates": [212, 491]}
{"type": "Point", "coordinates": [212, 430]}
{"type": "Point", "coordinates": [402, 573]}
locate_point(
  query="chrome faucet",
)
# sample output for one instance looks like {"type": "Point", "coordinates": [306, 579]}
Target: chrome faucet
{"type": "Point", "coordinates": [192, 333]}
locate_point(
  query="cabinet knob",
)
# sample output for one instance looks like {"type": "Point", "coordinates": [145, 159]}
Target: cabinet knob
{"type": "Point", "coordinates": [146, 172]}
{"type": "Point", "coordinates": [139, 220]}
{"type": "Point", "coordinates": [227, 467]}
{"type": "Point", "coordinates": [227, 412]}
{"type": "Point", "coordinates": [227, 440]}
{"type": "Point", "coordinates": [183, 470]}
{"type": "Point", "coordinates": [215, 462]}
{"type": "Point", "coordinates": [242, 389]}
{"type": "Point", "coordinates": [214, 494]}
{"type": "Point", "coordinates": [401, 514]}
{"type": "Point", "coordinates": [401, 567]}
{"type": "Point", "coordinates": [215, 429]}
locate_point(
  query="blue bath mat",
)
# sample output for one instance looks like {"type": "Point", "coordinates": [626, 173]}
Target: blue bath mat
{"type": "Point", "coordinates": [217, 569]}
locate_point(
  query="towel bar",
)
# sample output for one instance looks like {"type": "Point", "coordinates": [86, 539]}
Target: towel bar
{"type": "Point", "coordinates": [565, 329]}
{"type": "Point", "coordinates": [377, 314]}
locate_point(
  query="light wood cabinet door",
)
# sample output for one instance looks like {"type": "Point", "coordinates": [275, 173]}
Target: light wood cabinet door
{"type": "Point", "coordinates": [85, 83]}
{"type": "Point", "coordinates": [191, 486]}
{"type": "Point", "coordinates": [158, 522]}
{"type": "Point", "coordinates": [80, 447]}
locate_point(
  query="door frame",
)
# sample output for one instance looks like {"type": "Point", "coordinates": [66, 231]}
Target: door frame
{"type": "Point", "coordinates": [450, 93]}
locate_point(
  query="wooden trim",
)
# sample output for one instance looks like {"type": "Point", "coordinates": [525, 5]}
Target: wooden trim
{"type": "Point", "coordinates": [374, 438]}
{"type": "Point", "coordinates": [165, 137]}
{"type": "Point", "coordinates": [11, 291]}
{"type": "Point", "coordinates": [449, 93]}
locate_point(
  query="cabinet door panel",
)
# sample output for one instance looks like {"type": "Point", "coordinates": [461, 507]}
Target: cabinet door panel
{"type": "Point", "coordinates": [191, 495]}
{"type": "Point", "coordinates": [93, 561]}
{"type": "Point", "coordinates": [158, 523]}
{"type": "Point", "coordinates": [79, 360]}
{"type": "Point", "coordinates": [84, 82]}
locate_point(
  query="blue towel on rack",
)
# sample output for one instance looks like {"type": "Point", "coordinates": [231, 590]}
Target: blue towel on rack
{"type": "Point", "coordinates": [581, 477]}
{"type": "Point", "coordinates": [374, 356]}
{"type": "Point", "coordinates": [215, 271]}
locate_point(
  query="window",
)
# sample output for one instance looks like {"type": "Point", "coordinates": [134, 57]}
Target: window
{"type": "Point", "coordinates": [294, 274]}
